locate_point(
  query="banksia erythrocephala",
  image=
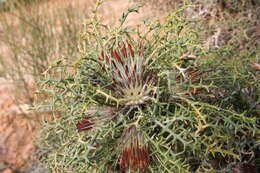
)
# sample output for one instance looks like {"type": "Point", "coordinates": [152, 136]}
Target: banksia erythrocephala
{"type": "Point", "coordinates": [133, 84]}
{"type": "Point", "coordinates": [135, 152]}
{"type": "Point", "coordinates": [133, 81]}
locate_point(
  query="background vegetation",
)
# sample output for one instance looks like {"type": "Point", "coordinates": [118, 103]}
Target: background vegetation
{"type": "Point", "coordinates": [33, 37]}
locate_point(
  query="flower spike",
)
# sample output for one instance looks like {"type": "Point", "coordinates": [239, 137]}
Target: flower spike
{"type": "Point", "coordinates": [133, 81]}
{"type": "Point", "coordinates": [135, 152]}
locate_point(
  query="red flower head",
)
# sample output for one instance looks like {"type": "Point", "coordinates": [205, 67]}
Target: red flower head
{"type": "Point", "coordinates": [135, 153]}
{"type": "Point", "coordinates": [84, 125]}
{"type": "Point", "coordinates": [133, 81]}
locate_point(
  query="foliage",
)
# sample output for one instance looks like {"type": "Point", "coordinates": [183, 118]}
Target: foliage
{"type": "Point", "coordinates": [34, 36]}
{"type": "Point", "coordinates": [190, 119]}
{"type": "Point", "coordinates": [8, 5]}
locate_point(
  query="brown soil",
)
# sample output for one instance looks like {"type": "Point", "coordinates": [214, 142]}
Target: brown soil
{"type": "Point", "coordinates": [17, 132]}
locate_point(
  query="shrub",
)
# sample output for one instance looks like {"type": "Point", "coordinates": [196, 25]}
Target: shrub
{"type": "Point", "coordinates": [153, 100]}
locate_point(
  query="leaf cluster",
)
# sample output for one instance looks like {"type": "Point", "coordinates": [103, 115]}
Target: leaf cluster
{"type": "Point", "coordinates": [185, 130]}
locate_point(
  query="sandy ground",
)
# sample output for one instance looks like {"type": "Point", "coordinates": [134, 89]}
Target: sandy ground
{"type": "Point", "coordinates": [17, 132]}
